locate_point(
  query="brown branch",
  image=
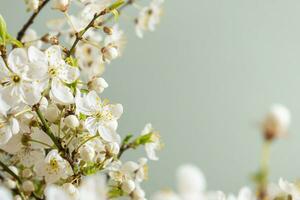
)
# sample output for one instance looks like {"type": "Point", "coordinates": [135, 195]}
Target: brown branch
{"type": "Point", "coordinates": [31, 20]}
{"type": "Point", "coordinates": [91, 24]}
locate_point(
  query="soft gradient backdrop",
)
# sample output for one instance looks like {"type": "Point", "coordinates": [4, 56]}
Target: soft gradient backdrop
{"type": "Point", "coordinates": [204, 79]}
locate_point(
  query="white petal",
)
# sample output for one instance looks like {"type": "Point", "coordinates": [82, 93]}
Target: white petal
{"type": "Point", "coordinates": [30, 94]}
{"type": "Point", "coordinates": [108, 134]}
{"type": "Point", "coordinates": [17, 59]}
{"type": "Point", "coordinates": [53, 54]}
{"type": "Point", "coordinates": [69, 74]}
{"type": "Point", "coordinates": [61, 93]}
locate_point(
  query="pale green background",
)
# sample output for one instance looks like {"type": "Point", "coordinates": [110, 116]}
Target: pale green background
{"type": "Point", "coordinates": [204, 79]}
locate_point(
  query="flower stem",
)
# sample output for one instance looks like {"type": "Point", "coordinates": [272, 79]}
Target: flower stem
{"type": "Point", "coordinates": [92, 24]}
{"type": "Point", "coordinates": [6, 168]}
{"type": "Point", "coordinates": [265, 159]}
{"type": "Point", "coordinates": [46, 128]}
{"type": "Point", "coordinates": [31, 20]}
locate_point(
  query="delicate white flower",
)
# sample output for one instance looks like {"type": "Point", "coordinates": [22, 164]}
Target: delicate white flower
{"type": "Point", "coordinates": [155, 143]}
{"type": "Point", "coordinates": [53, 168]}
{"type": "Point", "coordinates": [21, 77]}
{"type": "Point", "coordinates": [109, 53]}
{"type": "Point", "coordinates": [148, 18]}
{"type": "Point", "coordinates": [98, 84]}
{"type": "Point", "coordinates": [9, 126]}
{"type": "Point", "coordinates": [101, 118]}
{"type": "Point", "coordinates": [277, 121]}
{"type": "Point", "coordinates": [60, 73]}
{"type": "Point", "coordinates": [289, 188]}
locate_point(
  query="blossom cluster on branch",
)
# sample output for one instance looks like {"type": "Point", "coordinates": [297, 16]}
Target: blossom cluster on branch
{"type": "Point", "coordinates": [58, 135]}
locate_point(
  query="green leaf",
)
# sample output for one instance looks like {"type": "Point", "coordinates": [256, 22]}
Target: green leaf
{"type": "Point", "coordinates": [115, 192]}
{"type": "Point", "coordinates": [116, 5]}
{"type": "Point", "coordinates": [14, 41]}
{"type": "Point", "coordinates": [116, 14]}
{"type": "Point", "coordinates": [3, 30]}
{"type": "Point", "coordinates": [143, 139]}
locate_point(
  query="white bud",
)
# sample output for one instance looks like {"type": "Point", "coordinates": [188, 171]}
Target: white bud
{"type": "Point", "coordinates": [277, 121]}
{"type": "Point", "coordinates": [138, 193]}
{"type": "Point", "coordinates": [10, 183]}
{"type": "Point", "coordinates": [17, 197]}
{"type": "Point", "coordinates": [61, 5]}
{"type": "Point", "coordinates": [52, 113]}
{"type": "Point", "coordinates": [87, 153]}
{"type": "Point", "coordinates": [98, 84]}
{"type": "Point", "coordinates": [71, 190]}
{"type": "Point", "coordinates": [26, 173]}
{"type": "Point", "coordinates": [71, 121]}
{"type": "Point", "coordinates": [28, 186]}
{"type": "Point", "coordinates": [32, 5]}
{"type": "Point", "coordinates": [128, 186]}
{"type": "Point", "coordinates": [109, 53]}
{"type": "Point", "coordinates": [113, 148]}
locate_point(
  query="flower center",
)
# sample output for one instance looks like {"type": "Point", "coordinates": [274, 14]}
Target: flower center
{"type": "Point", "coordinates": [16, 78]}
{"type": "Point", "coordinates": [52, 71]}
{"type": "Point", "coordinates": [54, 164]}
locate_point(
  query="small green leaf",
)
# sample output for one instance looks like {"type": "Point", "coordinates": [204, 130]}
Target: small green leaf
{"type": "Point", "coordinates": [143, 139]}
{"type": "Point", "coordinates": [116, 14]}
{"type": "Point", "coordinates": [3, 30]}
{"type": "Point", "coordinates": [14, 41]}
{"type": "Point", "coordinates": [116, 5]}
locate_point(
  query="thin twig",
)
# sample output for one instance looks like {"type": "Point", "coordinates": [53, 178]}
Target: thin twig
{"type": "Point", "coordinates": [46, 128]}
{"type": "Point", "coordinates": [91, 24]}
{"type": "Point", "coordinates": [5, 168]}
{"type": "Point", "coordinates": [31, 20]}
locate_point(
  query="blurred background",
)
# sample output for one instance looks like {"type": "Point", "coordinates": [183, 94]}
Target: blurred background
{"type": "Point", "coordinates": [205, 79]}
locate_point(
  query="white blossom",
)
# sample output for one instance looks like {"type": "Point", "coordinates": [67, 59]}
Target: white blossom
{"type": "Point", "coordinates": [53, 167]}
{"type": "Point", "coordinates": [101, 118]}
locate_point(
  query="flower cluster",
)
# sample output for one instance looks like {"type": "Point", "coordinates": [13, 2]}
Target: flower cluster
{"type": "Point", "coordinates": [58, 135]}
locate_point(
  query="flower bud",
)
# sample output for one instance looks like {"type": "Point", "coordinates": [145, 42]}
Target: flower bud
{"type": "Point", "coordinates": [128, 186]}
{"type": "Point", "coordinates": [87, 153]}
{"type": "Point", "coordinates": [98, 84]}
{"type": "Point", "coordinates": [28, 186]}
{"type": "Point", "coordinates": [17, 197]}
{"type": "Point", "coordinates": [107, 30]}
{"type": "Point", "coordinates": [276, 122]}
{"type": "Point", "coordinates": [71, 121]}
{"type": "Point", "coordinates": [61, 5]}
{"type": "Point", "coordinates": [27, 173]}
{"type": "Point", "coordinates": [32, 5]}
{"type": "Point", "coordinates": [52, 113]}
{"type": "Point", "coordinates": [109, 53]}
{"type": "Point", "coordinates": [11, 184]}
{"type": "Point", "coordinates": [71, 190]}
